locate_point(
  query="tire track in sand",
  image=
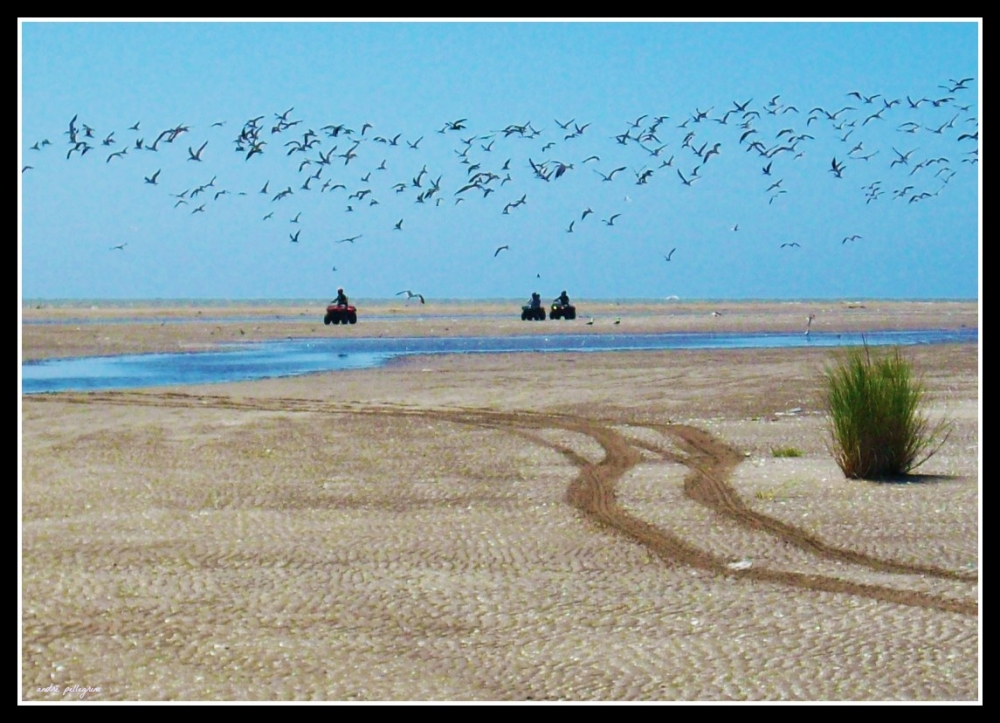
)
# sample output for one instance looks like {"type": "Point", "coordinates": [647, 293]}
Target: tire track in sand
{"type": "Point", "coordinates": [592, 491]}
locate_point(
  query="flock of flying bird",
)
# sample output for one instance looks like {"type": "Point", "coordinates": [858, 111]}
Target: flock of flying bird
{"type": "Point", "coordinates": [357, 167]}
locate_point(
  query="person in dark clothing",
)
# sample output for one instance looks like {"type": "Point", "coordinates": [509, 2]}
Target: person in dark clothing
{"type": "Point", "coordinates": [536, 300]}
{"type": "Point", "coordinates": [341, 299]}
{"type": "Point", "coordinates": [563, 298]}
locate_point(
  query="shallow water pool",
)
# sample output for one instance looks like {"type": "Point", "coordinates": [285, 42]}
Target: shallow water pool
{"type": "Point", "coordinates": [264, 360]}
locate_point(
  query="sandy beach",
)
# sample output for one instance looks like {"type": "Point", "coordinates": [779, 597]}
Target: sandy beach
{"type": "Point", "coordinates": [501, 527]}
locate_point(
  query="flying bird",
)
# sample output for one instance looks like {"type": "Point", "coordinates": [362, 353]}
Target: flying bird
{"type": "Point", "coordinates": [349, 239]}
{"type": "Point", "coordinates": [668, 256]}
{"type": "Point", "coordinates": [499, 249]}
{"type": "Point", "coordinates": [904, 158]}
{"type": "Point", "coordinates": [610, 175]}
{"type": "Point", "coordinates": [192, 156]}
{"type": "Point", "coordinates": [687, 181]}
{"type": "Point", "coordinates": [119, 247]}
{"type": "Point", "coordinates": [410, 295]}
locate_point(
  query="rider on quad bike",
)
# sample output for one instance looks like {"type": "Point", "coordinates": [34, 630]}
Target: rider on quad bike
{"type": "Point", "coordinates": [561, 308]}
{"type": "Point", "coordinates": [533, 309]}
{"type": "Point", "coordinates": [340, 311]}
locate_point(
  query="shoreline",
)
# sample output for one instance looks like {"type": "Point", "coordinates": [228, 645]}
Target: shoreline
{"type": "Point", "coordinates": [67, 332]}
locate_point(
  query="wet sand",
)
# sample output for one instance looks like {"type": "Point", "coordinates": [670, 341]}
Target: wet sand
{"type": "Point", "coordinates": [592, 527]}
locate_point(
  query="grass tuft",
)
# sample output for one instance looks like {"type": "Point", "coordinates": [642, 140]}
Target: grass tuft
{"type": "Point", "coordinates": [785, 452]}
{"type": "Point", "coordinates": [876, 427]}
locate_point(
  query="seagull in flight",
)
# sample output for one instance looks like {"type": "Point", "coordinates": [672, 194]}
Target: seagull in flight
{"type": "Point", "coordinates": [410, 295]}
{"type": "Point", "coordinates": [610, 221]}
{"type": "Point", "coordinates": [667, 256]}
{"type": "Point", "coordinates": [350, 239]}
{"type": "Point", "coordinates": [610, 175]}
{"type": "Point", "coordinates": [793, 244]}
{"type": "Point", "coordinates": [192, 156]}
{"type": "Point", "coordinates": [904, 158]}
{"type": "Point", "coordinates": [152, 179]}
{"type": "Point", "coordinates": [499, 249]}
{"type": "Point", "coordinates": [687, 181]}
{"type": "Point", "coordinates": [119, 247]}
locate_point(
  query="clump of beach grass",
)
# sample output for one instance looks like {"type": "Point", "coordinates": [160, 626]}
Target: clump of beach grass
{"type": "Point", "coordinates": [786, 452]}
{"type": "Point", "coordinates": [873, 404]}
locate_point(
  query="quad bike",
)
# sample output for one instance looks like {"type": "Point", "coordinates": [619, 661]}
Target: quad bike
{"type": "Point", "coordinates": [562, 311]}
{"type": "Point", "coordinates": [340, 314]}
{"type": "Point", "coordinates": [529, 313]}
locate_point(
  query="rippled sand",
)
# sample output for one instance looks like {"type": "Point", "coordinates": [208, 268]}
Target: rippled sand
{"type": "Point", "coordinates": [588, 527]}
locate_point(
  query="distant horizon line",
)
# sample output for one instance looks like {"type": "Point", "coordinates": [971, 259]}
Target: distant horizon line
{"type": "Point", "coordinates": [216, 301]}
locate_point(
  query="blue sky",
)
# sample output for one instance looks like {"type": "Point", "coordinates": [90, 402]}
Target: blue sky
{"type": "Point", "coordinates": [629, 93]}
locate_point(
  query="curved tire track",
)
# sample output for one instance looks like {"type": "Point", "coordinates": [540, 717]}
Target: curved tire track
{"type": "Point", "coordinates": [709, 460]}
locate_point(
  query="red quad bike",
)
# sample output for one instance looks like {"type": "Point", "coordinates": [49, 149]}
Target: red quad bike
{"type": "Point", "coordinates": [560, 311]}
{"type": "Point", "coordinates": [340, 314]}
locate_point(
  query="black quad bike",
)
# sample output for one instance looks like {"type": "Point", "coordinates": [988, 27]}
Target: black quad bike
{"type": "Point", "coordinates": [529, 313]}
{"type": "Point", "coordinates": [562, 311]}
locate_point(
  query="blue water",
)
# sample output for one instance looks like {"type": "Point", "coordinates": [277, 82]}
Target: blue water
{"type": "Point", "coordinates": [264, 360]}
